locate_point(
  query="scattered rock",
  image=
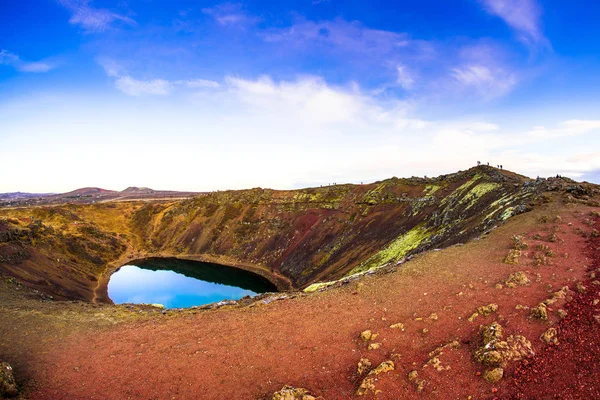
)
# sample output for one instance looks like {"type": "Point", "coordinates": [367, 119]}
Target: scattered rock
{"type": "Point", "coordinates": [373, 346]}
{"type": "Point", "coordinates": [496, 352]}
{"type": "Point", "coordinates": [581, 288]}
{"type": "Point", "coordinates": [368, 384]}
{"type": "Point", "coordinates": [550, 336]}
{"type": "Point", "coordinates": [491, 332]}
{"type": "Point", "coordinates": [487, 310]}
{"type": "Point", "coordinates": [553, 237]}
{"type": "Point", "coordinates": [412, 375]}
{"type": "Point", "coordinates": [385, 366]}
{"type": "Point", "coordinates": [473, 316]}
{"type": "Point", "coordinates": [594, 233]}
{"type": "Point", "coordinates": [519, 243]}
{"type": "Point", "coordinates": [419, 383]}
{"type": "Point", "coordinates": [435, 356]}
{"type": "Point", "coordinates": [517, 279]}
{"type": "Point", "coordinates": [363, 366]}
{"type": "Point", "coordinates": [368, 335]}
{"type": "Point", "coordinates": [540, 312]}
{"type": "Point", "coordinates": [493, 375]}
{"type": "Point", "coordinates": [399, 325]}
{"type": "Point", "coordinates": [436, 363]}
{"type": "Point", "coordinates": [541, 259]}
{"type": "Point", "coordinates": [512, 257]}
{"type": "Point", "coordinates": [561, 294]}
{"type": "Point", "coordinates": [8, 386]}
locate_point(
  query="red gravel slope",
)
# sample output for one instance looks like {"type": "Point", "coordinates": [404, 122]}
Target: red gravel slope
{"type": "Point", "coordinates": [571, 369]}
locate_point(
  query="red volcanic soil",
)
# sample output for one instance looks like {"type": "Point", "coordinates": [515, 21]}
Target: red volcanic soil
{"type": "Point", "coordinates": [312, 341]}
{"type": "Point", "coordinates": [571, 369]}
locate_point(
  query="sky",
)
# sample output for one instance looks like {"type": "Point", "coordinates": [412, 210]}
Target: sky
{"type": "Point", "coordinates": [205, 95]}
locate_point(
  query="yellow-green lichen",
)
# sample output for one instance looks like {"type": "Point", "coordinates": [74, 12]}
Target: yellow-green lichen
{"type": "Point", "coordinates": [459, 191]}
{"type": "Point", "coordinates": [477, 192]}
{"type": "Point", "coordinates": [374, 196]}
{"type": "Point", "coordinates": [396, 250]}
{"type": "Point", "coordinates": [509, 212]}
{"type": "Point", "coordinates": [317, 286]}
{"type": "Point", "coordinates": [431, 189]}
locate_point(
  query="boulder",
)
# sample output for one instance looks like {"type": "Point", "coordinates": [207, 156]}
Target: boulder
{"type": "Point", "coordinates": [291, 393]}
{"type": "Point", "coordinates": [8, 386]}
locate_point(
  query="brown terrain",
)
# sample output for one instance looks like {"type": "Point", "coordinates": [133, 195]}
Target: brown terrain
{"type": "Point", "coordinates": [481, 284]}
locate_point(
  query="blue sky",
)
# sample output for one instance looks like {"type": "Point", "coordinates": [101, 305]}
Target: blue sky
{"type": "Point", "coordinates": [205, 95]}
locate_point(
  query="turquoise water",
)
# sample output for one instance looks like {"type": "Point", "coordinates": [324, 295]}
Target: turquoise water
{"type": "Point", "coordinates": [181, 284]}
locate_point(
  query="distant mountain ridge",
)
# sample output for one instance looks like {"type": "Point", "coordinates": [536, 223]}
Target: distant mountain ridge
{"type": "Point", "coordinates": [89, 195]}
{"type": "Point", "coordinates": [134, 189]}
{"type": "Point", "coordinates": [87, 191]}
{"type": "Point", "coordinates": [22, 195]}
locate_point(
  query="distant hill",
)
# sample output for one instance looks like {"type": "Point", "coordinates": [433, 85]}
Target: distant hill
{"type": "Point", "coordinates": [21, 195]}
{"type": "Point", "coordinates": [137, 190]}
{"type": "Point", "coordinates": [90, 195]}
{"type": "Point", "coordinates": [87, 191]}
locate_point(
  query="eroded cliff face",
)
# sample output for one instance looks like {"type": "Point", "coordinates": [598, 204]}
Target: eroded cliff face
{"type": "Point", "coordinates": [306, 235]}
{"type": "Point", "coordinates": [325, 233]}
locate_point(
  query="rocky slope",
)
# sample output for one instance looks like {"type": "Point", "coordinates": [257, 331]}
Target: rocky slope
{"type": "Point", "coordinates": [295, 238]}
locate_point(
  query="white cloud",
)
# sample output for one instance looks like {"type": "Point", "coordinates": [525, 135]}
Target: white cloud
{"type": "Point", "coordinates": [340, 34]}
{"type": "Point", "coordinates": [260, 132]}
{"type": "Point", "coordinates": [230, 14]}
{"type": "Point", "coordinates": [139, 87]}
{"type": "Point", "coordinates": [566, 129]}
{"type": "Point", "coordinates": [521, 15]}
{"type": "Point", "coordinates": [577, 126]}
{"type": "Point", "coordinates": [135, 87]}
{"type": "Point", "coordinates": [111, 68]}
{"type": "Point", "coordinates": [8, 58]}
{"type": "Point", "coordinates": [199, 84]}
{"type": "Point", "coordinates": [487, 82]}
{"type": "Point", "coordinates": [13, 60]}
{"type": "Point", "coordinates": [405, 79]}
{"type": "Point", "coordinates": [92, 19]}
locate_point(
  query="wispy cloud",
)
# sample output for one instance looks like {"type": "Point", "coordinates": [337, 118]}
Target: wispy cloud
{"type": "Point", "coordinates": [252, 124]}
{"type": "Point", "coordinates": [523, 16]}
{"type": "Point", "coordinates": [405, 78]}
{"type": "Point", "coordinates": [568, 128]}
{"type": "Point", "coordinates": [13, 60]}
{"type": "Point", "coordinates": [487, 83]}
{"type": "Point", "coordinates": [92, 19]}
{"type": "Point", "coordinates": [481, 70]}
{"type": "Point", "coordinates": [341, 35]}
{"type": "Point", "coordinates": [199, 84]}
{"type": "Point", "coordinates": [231, 14]}
{"type": "Point", "coordinates": [140, 87]}
{"type": "Point", "coordinates": [136, 87]}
